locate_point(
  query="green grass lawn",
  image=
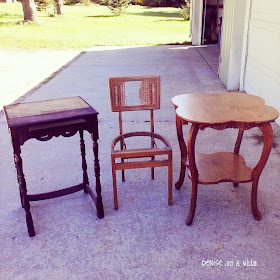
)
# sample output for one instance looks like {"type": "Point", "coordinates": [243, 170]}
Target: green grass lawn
{"type": "Point", "coordinates": [84, 27]}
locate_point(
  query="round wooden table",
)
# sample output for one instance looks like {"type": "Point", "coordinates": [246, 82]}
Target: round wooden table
{"type": "Point", "coordinates": [221, 111]}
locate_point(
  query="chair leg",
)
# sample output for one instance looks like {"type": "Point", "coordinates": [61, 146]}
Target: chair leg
{"type": "Point", "coordinates": [116, 206]}
{"type": "Point", "coordinates": [170, 183]}
{"type": "Point", "coordinates": [122, 160]}
{"type": "Point", "coordinates": [153, 170]}
{"type": "Point", "coordinates": [123, 177]}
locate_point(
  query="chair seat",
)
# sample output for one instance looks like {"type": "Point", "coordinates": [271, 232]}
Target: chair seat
{"type": "Point", "coordinates": [140, 153]}
{"type": "Point", "coordinates": [122, 137]}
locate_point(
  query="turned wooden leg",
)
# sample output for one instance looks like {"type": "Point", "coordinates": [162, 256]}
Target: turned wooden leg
{"type": "Point", "coordinates": [193, 169]}
{"type": "Point", "coordinates": [23, 191]}
{"type": "Point", "coordinates": [21, 198]}
{"type": "Point", "coordinates": [267, 144]}
{"type": "Point", "coordinates": [99, 203]}
{"type": "Point", "coordinates": [237, 147]}
{"type": "Point", "coordinates": [84, 163]}
{"type": "Point", "coordinates": [183, 150]}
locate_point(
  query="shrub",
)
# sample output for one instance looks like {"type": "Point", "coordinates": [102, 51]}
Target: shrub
{"type": "Point", "coordinates": [71, 2]}
{"type": "Point", "coordinates": [137, 2]}
{"type": "Point", "coordinates": [86, 2]}
{"type": "Point", "coordinates": [185, 12]}
{"type": "Point", "coordinates": [163, 3]}
{"type": "Point", "coordinates": [117, 6]}
{"type": "Point", "coordinates": [48, 6]}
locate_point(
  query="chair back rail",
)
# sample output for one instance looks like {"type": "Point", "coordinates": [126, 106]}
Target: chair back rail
{"type": "Point", "coordinates": [148, 96]}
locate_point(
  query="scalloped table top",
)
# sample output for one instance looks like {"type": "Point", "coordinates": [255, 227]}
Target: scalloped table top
{"type": "Point", "coordinates": [219, 108]}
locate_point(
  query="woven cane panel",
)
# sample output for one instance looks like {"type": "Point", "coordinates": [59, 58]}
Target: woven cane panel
{"type": "Point", "coordinates": [117, 90]}
{"type": "Point", "coordinates": [45, 107]}
{"type": "Point", "coordinates": [146, 96]}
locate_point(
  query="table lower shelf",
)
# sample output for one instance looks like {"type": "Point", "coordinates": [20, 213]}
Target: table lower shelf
{"type": "Point", "coordinates": [222, 167]}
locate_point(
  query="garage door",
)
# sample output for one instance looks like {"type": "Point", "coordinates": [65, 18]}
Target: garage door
{"type": "Point", "coordinates": [262, 71]}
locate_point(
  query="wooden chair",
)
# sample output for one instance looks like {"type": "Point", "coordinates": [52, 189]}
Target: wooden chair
{"type": "Point", "coordinates": [148, 88]}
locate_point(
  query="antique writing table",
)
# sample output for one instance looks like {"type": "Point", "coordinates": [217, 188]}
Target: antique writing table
{"type": "Point", "coordinates": [221, 111]}
{"type": "Point", "coordinates": [43, 120]}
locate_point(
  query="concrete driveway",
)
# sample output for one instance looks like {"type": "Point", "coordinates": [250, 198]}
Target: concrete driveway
{"type": "Point", "coordinates": [145, 238]}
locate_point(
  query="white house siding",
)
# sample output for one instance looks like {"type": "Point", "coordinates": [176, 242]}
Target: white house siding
{"type": "Point", "coordinates": [262, 71]}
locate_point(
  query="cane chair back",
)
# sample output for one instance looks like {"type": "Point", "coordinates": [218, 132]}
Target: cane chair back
{"type": "Point", "coordinates": [148, 93]}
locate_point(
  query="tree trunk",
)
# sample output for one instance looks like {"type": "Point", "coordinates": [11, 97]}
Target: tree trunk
{"type": "Point", "coordinates": [59, 7]}
{"type": "Point", "coordinates": [29, 10]}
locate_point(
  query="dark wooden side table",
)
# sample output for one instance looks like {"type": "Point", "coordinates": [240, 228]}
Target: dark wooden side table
{"type": "Point", "coordinates": [221, 111]}
{"type": "Point", "coordinates": [43, 120]}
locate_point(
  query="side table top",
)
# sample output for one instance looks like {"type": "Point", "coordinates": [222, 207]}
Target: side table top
{"type": "Point", "coordinates": [45, 111]}
{"type": "Point", "coordinates": [220, 108]}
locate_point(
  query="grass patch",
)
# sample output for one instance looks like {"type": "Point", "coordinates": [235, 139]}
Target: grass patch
{"type": "Point", "coordinates": [84, 27]}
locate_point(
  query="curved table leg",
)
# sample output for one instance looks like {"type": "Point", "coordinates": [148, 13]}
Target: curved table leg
{"type": "Point", "coordinates": [254, 197]}
{"type": "Point", "coordinates": [180, 181]}
{"type": "Point", "coordinates": [183, 150]}
{"type": "Point", "coordinates": [193, 169]}
{"type": "Point", "coordinates": [237, 146]}
{"type": "Point", "coordinates": [267, 144]}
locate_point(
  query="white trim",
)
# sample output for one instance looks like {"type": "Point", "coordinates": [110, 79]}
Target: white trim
{"type": "Point", "coordinates": [245, 44]}
{"type": "Point", "coordinates": [226, 40]}
{"type": "Point", "coordinates": [232, 43]}
{"type": "Point", "coordinates": [191, 18]}
{"type": "Point", "coordinates": [196, 21]}
{"type": "Point", "coordinates": [204, 21]}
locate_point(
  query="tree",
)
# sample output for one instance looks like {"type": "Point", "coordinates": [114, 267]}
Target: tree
{"type": "Point", "coordinates": [29, 10]}
{"type": "Point", "coordinates": [59, 7]}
